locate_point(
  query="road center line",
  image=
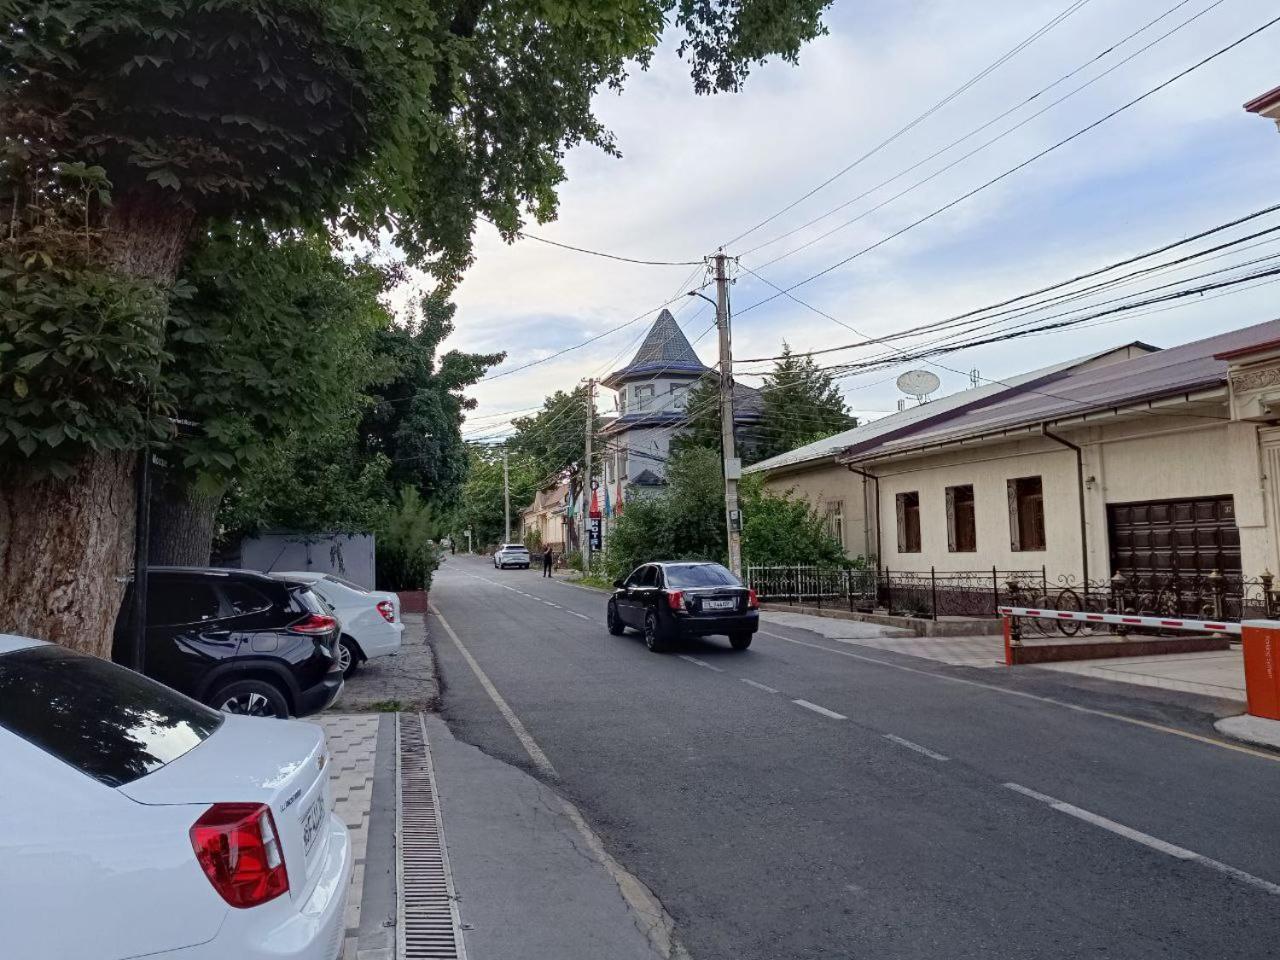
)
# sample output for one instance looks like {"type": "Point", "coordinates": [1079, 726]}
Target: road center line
{"type": "Point", "coordinates": [758, 686]}
{"type": "Point", "coordinates": [530, 745]}
{"type": "Point", "coordinates": [910, 745]}
{"type": "Point", "coordinates": [580, 616]}
{"type": "Point", "coordinates": [1155, 843]}
{"type": "Point", "coordinates": [822, 710]}
{"type": "Point", "coordinates": [701, 663]}
{"type": "Point", "coordinates": [1159, 728]}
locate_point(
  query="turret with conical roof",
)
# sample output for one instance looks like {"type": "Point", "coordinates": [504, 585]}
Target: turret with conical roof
{"type": "Point", "coordinates": [665, 351]}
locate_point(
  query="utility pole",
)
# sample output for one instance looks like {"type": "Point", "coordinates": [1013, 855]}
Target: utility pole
{"type": "Point", "coordinates": [506, 497]}
{"type": "Point", "coordinates": [732, 465]}
{"type": "Point", "coordinates": [586, 477]}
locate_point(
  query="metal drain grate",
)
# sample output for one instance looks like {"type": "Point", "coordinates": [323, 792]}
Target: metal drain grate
{"type": "Point", "coordinates": [428, 927]}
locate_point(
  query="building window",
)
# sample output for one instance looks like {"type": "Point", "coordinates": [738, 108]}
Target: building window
{"type": "Point", "coordinates": [835, 522]}
{"type": "Point", "coordinates": [1026, 514]}
{"type": "Point", "coordinates": [909, 522]}
{"type": "Point", "coordinates": [643, 395]}
{"type": "Point", "coordinates": [962, 528]}
{"type": "Point", "coordinates": [608, 470]}
{"type": "Point", "coordinates": [622, 401]}
{"type": "Point", "coordinates": [678, 396]}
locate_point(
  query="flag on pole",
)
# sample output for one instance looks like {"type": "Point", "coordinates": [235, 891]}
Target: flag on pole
{"type": "Point", "coordinates": [608, 504]}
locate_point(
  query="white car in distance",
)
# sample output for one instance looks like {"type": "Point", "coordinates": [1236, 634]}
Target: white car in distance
{"type": "Point", "coordinates": [371, 624]}
{"type": "Point", "coordinates": [511, 555]}
{"type": "Point", "coordinates": [166, 828]}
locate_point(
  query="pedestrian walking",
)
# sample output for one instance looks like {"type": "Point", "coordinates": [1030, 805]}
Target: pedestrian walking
{"type": "Point", "coordinates": [547, 557]}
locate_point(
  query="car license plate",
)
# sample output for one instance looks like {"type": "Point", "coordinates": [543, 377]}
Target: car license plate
{"type": "Point", "coordinates": [313, 823]}
{"type": "Point", "coordinates": [719, 604]}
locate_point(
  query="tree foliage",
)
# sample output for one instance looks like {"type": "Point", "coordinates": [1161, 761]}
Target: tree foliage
{"type": "Point", "coordinates": [687, 522]}
{"type": "Point", "coordinates": [277, 338]}
{"type": "Point", "coordinates": [553, 441]}
{"type": "Point", "coordinates": [408, 550]}
{"type": "Point", "coordinates": [415, 417]}
{"type": "Point", "coordinates": [481, 504]}
{"type": "Point", "coordinates": [801, 404]}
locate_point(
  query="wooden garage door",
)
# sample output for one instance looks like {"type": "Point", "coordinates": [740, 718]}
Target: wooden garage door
{"type": "Point", "coordinates": [1159, 538]}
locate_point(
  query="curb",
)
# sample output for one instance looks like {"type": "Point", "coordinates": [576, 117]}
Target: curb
{"type": "Point", "coordinates": [1250, 729]}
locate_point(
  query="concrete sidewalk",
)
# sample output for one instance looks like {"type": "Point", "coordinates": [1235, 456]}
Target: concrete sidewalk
{"type": "Point", "coordinates": [1217, 674]}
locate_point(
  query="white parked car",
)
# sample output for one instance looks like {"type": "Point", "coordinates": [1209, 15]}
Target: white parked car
{"type": "Point", "coordinates": [371, 624]}
{"type": "Point", "coordinates": [137, 822]}
{"type": "Point", "coordinates": [511, 555]}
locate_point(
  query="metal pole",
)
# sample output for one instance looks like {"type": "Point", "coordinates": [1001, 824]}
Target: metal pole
{"type": "Point", "coordinates": [141, 546]}
{"type": "Point", "coordinates": [933, 590]}
{"type": "Point", "coordinates": [506, 499]}
{"type": "Point", "coordinates": [732, 466]}
{"type": "Point", "coordinates": [586, 483]}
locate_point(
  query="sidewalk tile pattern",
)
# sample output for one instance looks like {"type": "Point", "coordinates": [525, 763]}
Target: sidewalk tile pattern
{"type": "Point", "coordinates": [353, 744]}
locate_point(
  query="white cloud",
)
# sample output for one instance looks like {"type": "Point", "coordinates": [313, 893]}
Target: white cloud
{"type": "Point", "coordinates": [696, 171]}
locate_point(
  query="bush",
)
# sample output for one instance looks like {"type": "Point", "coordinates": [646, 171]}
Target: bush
{"type": "Point", "coordinates": [533, 540]}
{"type": "Point", "coordinates": [406, 552]}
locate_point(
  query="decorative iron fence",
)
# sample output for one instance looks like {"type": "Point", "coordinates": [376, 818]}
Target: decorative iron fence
{"type": "Point", "coordinates": [978, 593]}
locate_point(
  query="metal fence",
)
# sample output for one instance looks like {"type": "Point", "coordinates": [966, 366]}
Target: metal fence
{"type": "Point", "coordinates": [978, 593]}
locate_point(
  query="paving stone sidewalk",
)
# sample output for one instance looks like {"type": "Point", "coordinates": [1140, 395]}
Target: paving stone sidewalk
{"type": "Point", "coordinates": [353, 745]}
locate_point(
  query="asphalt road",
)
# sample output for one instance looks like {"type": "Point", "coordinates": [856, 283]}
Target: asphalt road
{"type": "Point", "coordinates": [814, 798]}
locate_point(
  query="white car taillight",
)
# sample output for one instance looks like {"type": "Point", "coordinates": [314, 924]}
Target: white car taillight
{"type": "Point", "coordinates": [239, 850]}
{"type": "Point", "coordinates": [388, 610]}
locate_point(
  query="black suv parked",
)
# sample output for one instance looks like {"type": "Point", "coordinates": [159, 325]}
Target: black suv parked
{"type": "Point", "coordinates": [237, 640]}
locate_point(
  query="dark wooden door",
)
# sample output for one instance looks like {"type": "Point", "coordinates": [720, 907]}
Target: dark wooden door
{"type": "Point", "coordinates": [1163, 537]}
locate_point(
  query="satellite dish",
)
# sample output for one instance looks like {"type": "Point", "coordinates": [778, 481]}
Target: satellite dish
{"type": "Point", "coordinates": [919, 384]}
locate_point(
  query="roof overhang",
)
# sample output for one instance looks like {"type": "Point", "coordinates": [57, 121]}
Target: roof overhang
{"type": "Point", "coordinates": [1267, 105]}
{"type": "Point", "coordinates": [652, 371]}
{"type": "Point", "coordinates": [1216, 394]}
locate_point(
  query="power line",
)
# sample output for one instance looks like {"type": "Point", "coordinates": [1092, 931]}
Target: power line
{"type": "Point", "coordinates": [599, 253]}
{"type": "Point", "coordinates": [1025, 163]}
{"type": "Point", "coordinates": [976, 130]}
{"type": "Point", "coordinates": [1022, 45]}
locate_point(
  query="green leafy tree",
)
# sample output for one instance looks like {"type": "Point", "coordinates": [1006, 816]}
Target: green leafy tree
{"type": "Point", "coordinates": [801, 404]}
{"type": "Point", "coordinates": [553, 441]}
{"type": "Point", "coordinates": [702, 411]}
{"type": "Point", "coordinates": [481, 505]}
{"type": "Point", "coordinates": [408, 550]}
{"type": "Point", "coordinates": [781, 530]}
{"type": "Point", "coordinates": [380, 116]}
{"type": "Point", "coordinates": [277, 339]}
{"type": "Point", "coordinates": [415, 419]}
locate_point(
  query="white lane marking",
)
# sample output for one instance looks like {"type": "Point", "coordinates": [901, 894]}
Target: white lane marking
{"type": "Point", "coordinates": [548, 602]}
{"type": "Point", "coordinates": [758, 686]}
{"type": "Point", "coordinates": [822, 710]}
{"type": "Point", "coordinates": [1159, 728]}
{"type": "Point", "coordinates": [530, 745]}
{"type": "Point", "coordinates": [580, 616]}
{"type": "Point", "coordinates": [911, 745]}
{"type": "Point", "coordinates": [1155, 843]}
{"type": "Point", "coordinates": [701, 663]}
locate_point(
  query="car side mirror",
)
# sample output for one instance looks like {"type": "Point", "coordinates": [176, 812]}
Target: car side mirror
{"type": "Point", "coordinates": [619, 583]}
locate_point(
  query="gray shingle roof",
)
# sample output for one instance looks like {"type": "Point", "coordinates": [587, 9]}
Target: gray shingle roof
{"type": "Point", "coordinates": [665, 342]}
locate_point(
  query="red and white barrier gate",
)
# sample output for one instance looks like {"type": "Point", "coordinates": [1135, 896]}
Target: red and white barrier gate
{"type": "Point", "coordinates": [1124, 620]}
{"type": "Point", "coordinates": [1261, 639]}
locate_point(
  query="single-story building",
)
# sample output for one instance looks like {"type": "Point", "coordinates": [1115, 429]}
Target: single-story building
{"type": "Point", "coordinates": [545, 517]}
{"type": "Point", "coordinates": [845, 497]}
{"type": "Point", "coordinates": [1267, 105]}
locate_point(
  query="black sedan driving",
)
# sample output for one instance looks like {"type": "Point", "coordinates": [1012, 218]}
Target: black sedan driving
{"type": "Point", "coordinates": [669, 601]}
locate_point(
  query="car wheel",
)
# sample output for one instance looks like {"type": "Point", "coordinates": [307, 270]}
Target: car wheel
{"type": "Point", "coordinates": [348, 656]}
{"type": "Point", "coordinates": [739, 641]}
{"type": "Point", "coordinates": [654, 638]}
{"type": "Point", "coordinates": [616, 626]}
{"type": "Point", "coordinates": [252, 698]}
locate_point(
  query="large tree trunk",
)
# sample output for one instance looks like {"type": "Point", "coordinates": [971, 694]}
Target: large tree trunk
{"type": "Point", "coordinates": [66, 548]}
{"type": "Point", "coordinates": [183, 522]}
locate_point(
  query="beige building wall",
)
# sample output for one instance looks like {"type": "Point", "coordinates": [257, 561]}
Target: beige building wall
{"type": "Point", "coordinates": [987, 468]}
{"type": "Point", "coordinates": [826, 485]}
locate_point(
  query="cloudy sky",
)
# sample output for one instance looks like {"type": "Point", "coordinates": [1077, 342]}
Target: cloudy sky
{"type": "Point", "coordinates": [696, 172]}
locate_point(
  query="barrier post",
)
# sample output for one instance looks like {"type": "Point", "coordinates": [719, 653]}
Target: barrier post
{"type": "Point", "coordinates": [1261, 640]}
{"type": "Point", "coordinates": [1010, 639]}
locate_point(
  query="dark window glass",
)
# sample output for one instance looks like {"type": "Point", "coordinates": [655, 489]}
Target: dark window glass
{"type": "Point", "coordinates": [962, 529]}
{"type": "Point", "coordinates": [909, 522]}
{"type": "Point", "coordinates": [310, 602]}
{"type": "Point", "coordinates": [242, 598]}
{"type": "Point", "coordinates": [106, 721]}
{"type": "Point", "coordinates": [700, 575]}
{"type": "Point", "coordinates": [1026, 513]}
{"type": "Point", "coordinates": [171, 600]}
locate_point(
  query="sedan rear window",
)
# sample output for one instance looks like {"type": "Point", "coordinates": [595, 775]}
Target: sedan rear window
{"type": "Point", "coordinates": [103, 719]}
{"type": "Point", "coordinates": [700, 575]}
